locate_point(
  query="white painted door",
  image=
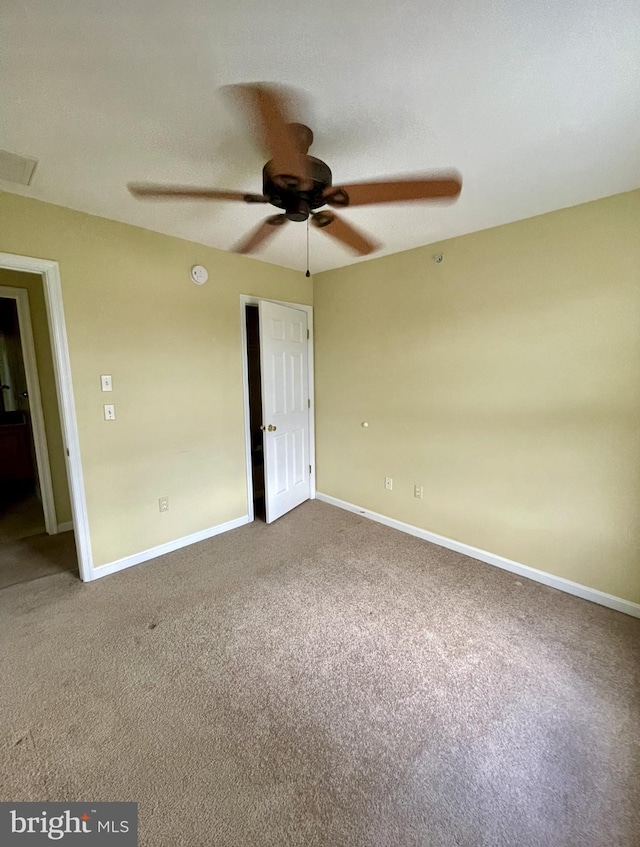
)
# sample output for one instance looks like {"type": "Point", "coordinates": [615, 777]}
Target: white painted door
{"type": "Point", "coordinates": [285, 407]}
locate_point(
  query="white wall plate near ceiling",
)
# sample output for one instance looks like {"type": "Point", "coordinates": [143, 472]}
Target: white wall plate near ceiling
{"type": "Point", "coordinates": [199, 274]}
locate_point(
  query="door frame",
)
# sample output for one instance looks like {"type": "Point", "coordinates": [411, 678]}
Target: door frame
{"type": "Point", "coordinates": [250, 300]}
{"type": "Point", "coordinates": [50, 273]}
{"type": "Point", "coordinates": [39, 434]}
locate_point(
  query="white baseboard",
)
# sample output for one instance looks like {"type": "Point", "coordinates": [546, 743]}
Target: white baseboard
{"type": "Point", "coordinates": [566, 585]}
{"type": "Point", "coordinates": [169, 547]}
{"type": "Point", "coordinates": [65, 527]}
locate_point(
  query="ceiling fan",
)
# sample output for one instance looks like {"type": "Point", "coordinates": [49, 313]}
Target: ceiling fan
{"type": "Point", "coordinates": [300, 184]}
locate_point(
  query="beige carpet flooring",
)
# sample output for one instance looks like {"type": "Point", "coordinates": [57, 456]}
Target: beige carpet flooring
{"type": "Point", "coordinates": [24, 559]}
{"type": "Point", "coordinates": [325, 681]}
{"type": "Point", "coordinates": [21, 514]}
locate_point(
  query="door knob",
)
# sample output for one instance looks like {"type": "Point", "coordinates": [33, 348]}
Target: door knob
{"type": "Point", "coordinates": [262, 427]}
{"type": "Point", "coordinates": [272, 428]}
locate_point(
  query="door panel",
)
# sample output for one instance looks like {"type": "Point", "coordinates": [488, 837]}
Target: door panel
{"type": "Point", "coordinates": [277, 383]}
{"type": "Point", "coordinates": [280, 465]}
{"type": "Point", "coordinates": [285, 393]}
{"type": "Point", "coordinates": [300, 470]}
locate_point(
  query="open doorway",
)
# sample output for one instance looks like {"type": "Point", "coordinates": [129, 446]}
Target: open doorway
{"type": "Point", "coordinates": [59, 384]}
{"type": "Point", "coordinates": [278, 388]}
{"type": "Point", "coordinates": [252, 323]}
{"type": "Point", "coordinates": [21, 509]}
{"type": "Point", "coordinates": [36, 528]}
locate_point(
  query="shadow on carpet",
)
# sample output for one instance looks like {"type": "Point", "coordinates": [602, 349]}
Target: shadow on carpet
{"type": "Point", "coordinates": [26, 559]}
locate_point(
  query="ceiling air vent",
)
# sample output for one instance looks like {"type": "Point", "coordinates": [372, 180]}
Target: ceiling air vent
{"type": "Point", "coordinates": [15, 168]}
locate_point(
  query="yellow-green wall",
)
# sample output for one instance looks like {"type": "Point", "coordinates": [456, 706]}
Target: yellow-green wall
{"type": "Point", "coordinates": [44, 360]}
{"type": "Point", "coordinates": [174, 351]}
{"type": "Point", "coordinates": [505, 380]}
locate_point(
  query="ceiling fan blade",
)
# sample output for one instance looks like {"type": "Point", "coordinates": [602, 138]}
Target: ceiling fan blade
{"type": "Point", "coordinates": [271, 111]}
{"type": "Point", "coordinates": [184, 192]}
{"type": "Point", "coordinates": [267, 229]}
{"type": "Point", "coordinates": [344, 232]}
{"type": "Point", "coordinates": [395, 190]}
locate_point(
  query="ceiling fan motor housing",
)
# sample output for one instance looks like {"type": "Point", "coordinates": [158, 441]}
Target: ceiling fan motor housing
{"type": "Point", "coordinates": [284, 193]}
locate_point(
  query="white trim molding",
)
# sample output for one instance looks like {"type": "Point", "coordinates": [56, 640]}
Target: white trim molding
{"type": "Point", "coordinates": [50, 273]}
{"type": "Point", "coordinates": [566, 585]}
{"type": "Point", "coordinates": [65, 527]}
{"type": "Point", "coordinates": [168, 547]}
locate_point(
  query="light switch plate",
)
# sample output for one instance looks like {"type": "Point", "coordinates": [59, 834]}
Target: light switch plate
{"type": "Point", "coordinates": [109, 412]}
{"type": "Point", "coordinates": [106, 382]}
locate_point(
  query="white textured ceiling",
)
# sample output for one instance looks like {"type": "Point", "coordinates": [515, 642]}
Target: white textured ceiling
{"type": "Point", "coordinates": [535, 102]}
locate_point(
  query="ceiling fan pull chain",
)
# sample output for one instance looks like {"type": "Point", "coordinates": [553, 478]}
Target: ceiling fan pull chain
{"type": "Point", "coordinates": [308, 273]}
